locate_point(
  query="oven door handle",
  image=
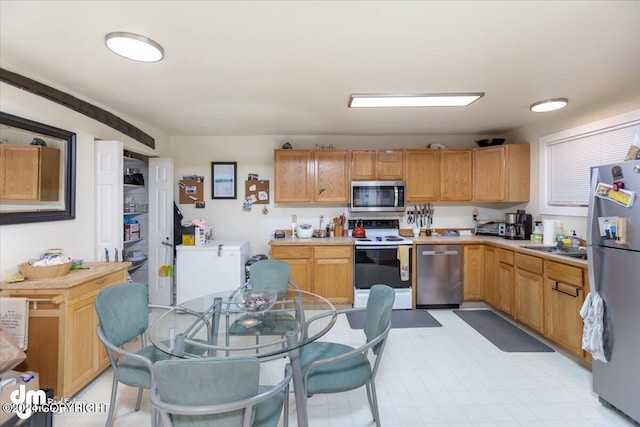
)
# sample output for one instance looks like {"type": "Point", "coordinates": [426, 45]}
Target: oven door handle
{"type": "Point", "coordinates": [379, 247]}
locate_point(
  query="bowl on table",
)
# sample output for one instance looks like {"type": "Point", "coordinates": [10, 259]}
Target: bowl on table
{"type": "Point", "coordinates": [255, 301]}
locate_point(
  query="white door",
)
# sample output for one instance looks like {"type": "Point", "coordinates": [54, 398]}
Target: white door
{"type": "Point", "coordinates": [160, 230]}
{"type": "Point", "coordinates": [108, 199]}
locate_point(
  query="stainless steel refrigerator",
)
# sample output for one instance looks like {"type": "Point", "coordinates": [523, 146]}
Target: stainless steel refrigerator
{"type": "Point", "coordinates": [613, 239]}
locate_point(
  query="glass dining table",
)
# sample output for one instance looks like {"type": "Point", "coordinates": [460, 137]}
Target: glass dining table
{"type": "Point", "coordinates": [218, 325]}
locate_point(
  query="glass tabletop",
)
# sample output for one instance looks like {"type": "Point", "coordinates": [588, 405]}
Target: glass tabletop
{"type": "Point", "coordinates": [221, 325]}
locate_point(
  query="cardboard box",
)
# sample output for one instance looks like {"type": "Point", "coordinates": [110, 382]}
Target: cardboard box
{"type": "Point", "coordinates": [203, 235]}
{"type": "Point", "coordinates": [33, 384]}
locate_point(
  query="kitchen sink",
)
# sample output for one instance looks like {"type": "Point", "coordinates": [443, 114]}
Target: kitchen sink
{"type": "Point", "coordinates": [573, 253]}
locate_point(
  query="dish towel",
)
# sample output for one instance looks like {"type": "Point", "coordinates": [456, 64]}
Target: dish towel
{"type": "Point", "coordinates": [592, 313]}
{"type": "Point", "coordinates": [14, 316]}
{"type": "Point", "coordinates": [403, 256]}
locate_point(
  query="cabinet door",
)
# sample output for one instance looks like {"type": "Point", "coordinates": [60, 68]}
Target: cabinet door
{"type": "Point", "coordinates": [331, 176]}
{"type": "Point", "coordinates": [363, 165]}
{"type": "Point", "coordinates": [528, 296]}
{"type": "Point", "coordinates": [455, 169]}
{"type": "Point", "coordinates": [293, 176]}
{"type": "Point", "coordinates": [422, 175]}
{"type": "Point", "coordinates": [473, 272]}
{"type": "Point", "coordinates": [299, 258]}
{"type": "Point", "coordinates": [505, 287]}
{"type": "Point", "coordinates": [489, 180]}
{"type": "Point", "coordinates": [81, 346]}
{"type": "Point", "coordinates": [390, 164]}
{"type": "Point", "coordinates": [563, 324]}
{"type": "Point", "coordinates": [333, 273]}
{"type": "Point", "coordinates": [490, 284]}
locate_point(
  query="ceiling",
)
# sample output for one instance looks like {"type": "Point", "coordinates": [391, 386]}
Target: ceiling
{"type": "Point", "coordinates": [288, 67]}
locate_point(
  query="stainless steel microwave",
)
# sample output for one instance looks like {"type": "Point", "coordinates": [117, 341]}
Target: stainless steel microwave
{"type": "Point", "coordinates": [377, 196]}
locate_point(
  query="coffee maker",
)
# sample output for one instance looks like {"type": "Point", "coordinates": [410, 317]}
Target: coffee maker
{"type": "Point", "coordinates": [518, 226]}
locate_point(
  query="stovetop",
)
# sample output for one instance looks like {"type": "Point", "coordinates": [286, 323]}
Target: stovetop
{"type": "Point", "coordinates": [378, 232]}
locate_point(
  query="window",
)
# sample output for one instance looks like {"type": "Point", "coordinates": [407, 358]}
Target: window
{"type": "Point", "coordinates": [567, 156]}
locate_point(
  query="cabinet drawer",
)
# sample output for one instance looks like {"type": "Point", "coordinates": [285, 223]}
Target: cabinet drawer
{"type": "Point", "coordinates": [290, 252]}
{"type": "Point", "coordinates": [563, 273]}
{"type": "Point", "coordinates": [529, 263]}
{"type": "Point", "coordinates": [332, 252]}
{"type": "Point", "coordinates": [505, 256]}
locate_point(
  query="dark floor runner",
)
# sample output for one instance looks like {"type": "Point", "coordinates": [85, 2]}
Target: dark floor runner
{"type": "Point", "coordinates": [503, 334]}
{"type": "Point", "coordinates": [399, 319]}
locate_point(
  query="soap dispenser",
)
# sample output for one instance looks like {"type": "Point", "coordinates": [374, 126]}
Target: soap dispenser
{"type": "Point", "coordinates": [575, 241]}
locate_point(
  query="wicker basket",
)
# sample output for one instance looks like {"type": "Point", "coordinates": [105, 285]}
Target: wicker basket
{"type": "Point", "coordinates": [41, 273]}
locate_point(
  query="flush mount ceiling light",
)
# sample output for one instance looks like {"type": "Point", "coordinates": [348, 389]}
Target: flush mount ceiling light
{"type": "Point", "coordinates": [134, 46]}
{"type": "Point", "coordinates": [549, 105]}
{"type": "Point", "coordinates": [370, 100]}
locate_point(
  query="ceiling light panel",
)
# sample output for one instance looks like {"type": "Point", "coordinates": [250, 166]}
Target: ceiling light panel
{"type": "Point", "coordinates": [413, 100]}
{"type": "Point", "coordinates": [549, 105]}
{"type": "Point", "coordinates": [134, 46]}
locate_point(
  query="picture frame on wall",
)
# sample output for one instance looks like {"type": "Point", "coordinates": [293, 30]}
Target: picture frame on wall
{"type": "Point", "coordinates": [224, 183]}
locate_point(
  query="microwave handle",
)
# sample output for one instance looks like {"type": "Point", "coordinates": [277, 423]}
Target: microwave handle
{"type": "Point", "coordinates": [395, 196]}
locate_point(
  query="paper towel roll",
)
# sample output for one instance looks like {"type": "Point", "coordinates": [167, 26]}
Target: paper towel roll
{"type": "Point", "coordinates": [549, 231]}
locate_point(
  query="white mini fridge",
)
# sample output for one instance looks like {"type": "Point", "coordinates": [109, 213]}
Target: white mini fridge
{"type": "Point", "coordinates": [202, 270]}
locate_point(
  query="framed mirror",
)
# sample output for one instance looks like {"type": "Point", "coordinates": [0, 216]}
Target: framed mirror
{"type": "Point", "coordinates": [37, 172]}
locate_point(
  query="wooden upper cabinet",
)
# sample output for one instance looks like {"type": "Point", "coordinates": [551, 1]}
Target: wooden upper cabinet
{"type": "Point", "coordinates": [501, 174]}
{"type": "Point", "coordinates": [293, 176]}
{"type": "Point", "coordinates": [29, 172]}
{"type": "Point", "coordinates": [455, 175]}
{"type": "Point", "coordinates": [331, 183]}
{"type": "Point", "coordinates": [303, 176]}
{"type": "Point", "coordinates": [384, 165]}
{"type": "Point", "coordinates": [422, 175]}
{"type": "Point", "coordinates": [390, 164]}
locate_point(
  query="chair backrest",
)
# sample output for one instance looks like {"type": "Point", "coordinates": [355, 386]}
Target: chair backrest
{"type": "Point", "coordinates": [211, 381]}
{"type": "Point", "coordinates": [122, 311]}
{"type": "Point", "coordinates": [271, 274]}
{"type": "Point", "coordinates": [378, 312]}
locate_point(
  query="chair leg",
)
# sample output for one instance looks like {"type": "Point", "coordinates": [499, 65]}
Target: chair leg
{"type": "Point", "coordinates": [139, 399]}
{"type": "Point", "coordinates": [112, 403]}
{"type": "Point", "coordinates": [373, 402]}
{"type": "Point", "coordinates": [285, 414]}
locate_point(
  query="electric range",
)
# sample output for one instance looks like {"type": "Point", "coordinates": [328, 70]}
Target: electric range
{"type": "Point", "coordinates": [379, 258]}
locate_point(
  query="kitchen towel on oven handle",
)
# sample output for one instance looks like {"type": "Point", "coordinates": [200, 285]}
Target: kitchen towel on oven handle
{"type": "Point", "coordinates": [403, 256]}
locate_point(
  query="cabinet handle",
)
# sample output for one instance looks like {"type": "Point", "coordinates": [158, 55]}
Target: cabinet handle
{"type": "Point", "coordinates": [101, 281]}
{"type": "Point", "coordinates": [556, 288]}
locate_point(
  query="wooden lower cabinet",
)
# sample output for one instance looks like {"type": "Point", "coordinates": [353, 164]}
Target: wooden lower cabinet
{"type": "Point", "coordinates": [564, 293]}
{"type": "Point", "coordinates": [326, 270]}
{"type": "Point", "coordinates": [505, 281]}
{"type": "Point", "coordinates": [528, 292]}
{"type": "Point", "coordinates": [63, 346]}
{"type": "Point", "coordinates": [473, 272]}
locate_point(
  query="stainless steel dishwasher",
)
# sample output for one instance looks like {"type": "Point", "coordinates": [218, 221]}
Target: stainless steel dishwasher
{"type": "Point", "coordinates": [439, 276]}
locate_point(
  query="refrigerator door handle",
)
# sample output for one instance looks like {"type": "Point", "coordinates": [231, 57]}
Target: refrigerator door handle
{"type": "Point", "coordinates": [592, 219]}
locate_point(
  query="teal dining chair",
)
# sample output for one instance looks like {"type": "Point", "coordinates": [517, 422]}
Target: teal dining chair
{"type": "Point", "coordinates": [333, 367]}
{"type": "Point", "coordinates": [123, 315]}
{"type": "Point", "coordinates": [221, 392]}
{"type": "Point", "coordinates": [272, 274]}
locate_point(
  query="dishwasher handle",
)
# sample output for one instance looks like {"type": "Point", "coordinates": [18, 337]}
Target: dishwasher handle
{"type": "Point", "coordinates": [432, 253]}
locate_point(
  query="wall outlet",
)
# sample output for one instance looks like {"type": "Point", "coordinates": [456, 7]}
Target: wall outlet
{"type": "Point", "coordinates": [294, 218]}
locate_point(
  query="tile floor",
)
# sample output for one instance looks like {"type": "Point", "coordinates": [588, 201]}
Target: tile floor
{"type": "Point", "coordinates": [448, 376]}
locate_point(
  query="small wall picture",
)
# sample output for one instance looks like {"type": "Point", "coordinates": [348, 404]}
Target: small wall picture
{"type": "Point", "coordinates": [252, 177]}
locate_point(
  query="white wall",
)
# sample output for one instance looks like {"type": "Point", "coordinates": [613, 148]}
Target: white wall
{"type": "Point", "coordinates": [21, 242]}
{"type": "Point", "coordinates": [254, 154]}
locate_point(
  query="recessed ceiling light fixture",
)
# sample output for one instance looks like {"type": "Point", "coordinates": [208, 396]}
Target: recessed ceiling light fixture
{"type": "Point", "coordinates": [370, 100]}
{"type": "Point", "coordinates": [549, 105]}
{"type": "Point", "coordinates": [134, 46]}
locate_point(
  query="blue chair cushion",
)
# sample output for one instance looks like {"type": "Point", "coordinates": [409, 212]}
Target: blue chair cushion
{"type": "Point", "coordinates": [135, 373]}
{"type": "Point", "coordinates": [267, 413]}
{"type": "Point", "coordinates": [340, 376]}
